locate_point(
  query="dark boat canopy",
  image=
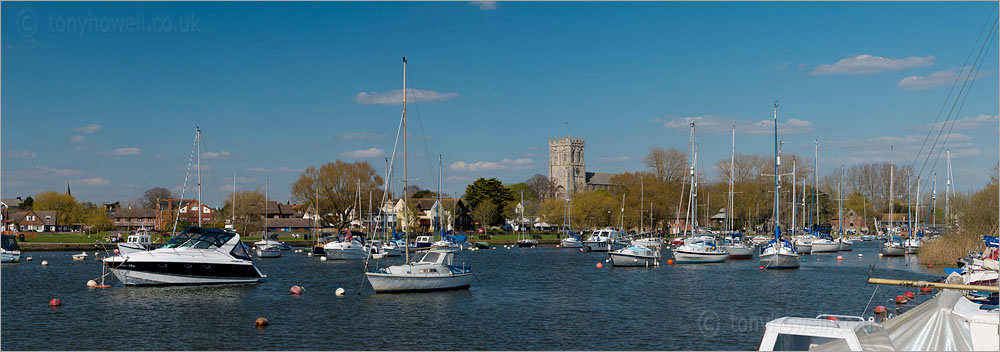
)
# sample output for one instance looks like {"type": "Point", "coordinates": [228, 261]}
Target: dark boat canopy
{"type": "Point", "coordinates": [199, 237]}
{"type": "Point", "coordinates": [10, 244]}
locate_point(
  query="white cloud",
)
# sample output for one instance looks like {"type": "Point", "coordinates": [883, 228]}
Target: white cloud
{"type": "Point", "coordinates": [615, 159]}
{"type": "Point", "coordinates": [966, 152]}
{"type": "Point", "coordinates": [358, 135]}
{"type": "Point", "coordinates": [125, 151]}
{"type": "Point", "coordinates": [457, 178]}
{"type": "Point", "coordinates": [715, 124]}
{"type": "Point", "coordinates": [905, 148]}
{"type": "Point", "coordinates": [93, 181]}
{"type": "Point", "coordinates": [965, 123]}
{"type": "Point", "coordinates": [88, 129]}
{"type": "Point", "coordinates": [396, 96]}
{"type": "Point", "coordinates": [782, 66]}
{"type": "Point", "coordinates": [280, 169]}
{"type": "Point", "coordinates": [867, 64]}
{"type": "Point", "coordinates": [484, 5]}
{"type": "Point", "coordinates": [78, 139]}
{"type": "Point", "coordinates": [19, 154]}
{"type": "Point", "coordinates": [215, 155]}
{"type": "Point", "coordinates": [57, 172]}
{"type": "Point", "coordinates": [364, 153]}
{"type": "Point", "coordinates": [504, 164]}
{"type": "Point", "coordinates": [936, 79]}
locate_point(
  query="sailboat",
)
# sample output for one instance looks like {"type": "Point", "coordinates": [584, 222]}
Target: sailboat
{"type": "Point", "coordinates": [733, 243]}
{"type": "Point", "coordinates": [778, 253]}
{"type": "Point", "coordinates": [522, 236]}
{"type": "Point", "coordinates": [823, 243]}
{"type": "Point", "coordinates": [350, 245]}
{"type": "Point", "coordinates": [893, 246]}
{"type": "Point", "coordinates": [268, 246]}
{"type": "Point", "coordinates": [571, 240]}
{"type": "Point", "coordinates": [634, 254]}
{"type": "Point", "coordinates": [435, 270]}
{"type": "Point", "coordinates": [845, 244]}
{"type": "Point", "coordinates": [446, 241]}
{"type": "Point", "coordinates": [703, 248]}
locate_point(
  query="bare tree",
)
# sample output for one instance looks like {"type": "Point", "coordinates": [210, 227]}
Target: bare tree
{"type": "Point", "coordinates": [667, 165]}
{"type": "Point", "coordinates": [337, 184]}
{"type": "Point", "coordinates": [152, 196]}
{"type": "Point", "coordinates": [542, 186]}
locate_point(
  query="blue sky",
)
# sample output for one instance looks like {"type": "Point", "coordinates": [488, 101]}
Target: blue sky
{"type": "Point", "coordinates": [278, 87]}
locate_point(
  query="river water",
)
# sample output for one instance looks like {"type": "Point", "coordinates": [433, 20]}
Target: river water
{"type": "Point", "coordinates": [521, 299]}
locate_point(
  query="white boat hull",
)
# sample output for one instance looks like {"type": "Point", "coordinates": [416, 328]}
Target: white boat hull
{"type": "Point", "coordinates": [823, 247]}
{"type": "Point", "coordinates": [10, 257]}
{"type": "Point", "coordinates": [268, 253]}
{"type": "Point", "coordinates": [846, 245]}
{"type": "Point", "coordinates": [345, 253]}
{"type": "Point", "coordinates": [779, 261]}
{"type": "Point", "coordinates": [893, 251]}
{"type": "Point", "coordinates": [803, 248]}
{"type": "Point", "coordinates": [142, 278]}
{"type": "Point", "coordinates": [739, 252]}
{"type": "Point", "coordinates": [129, 248]}
{"type": "Point", "coordinates": [685, 257]}
{"type": "Point", "coordinates": [620, 259]}
{"type": "Point", "coordinates": [385, 283]}
{"type": "Point", "coordinates": [570, 244]}
{"type": "Point", "coordinates": [601, 246]}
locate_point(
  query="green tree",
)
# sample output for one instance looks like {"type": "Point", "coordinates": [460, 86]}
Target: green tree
{"type": "Point", "coordinates": [249, 211]}
{"type": "Point", "coordinates": [27, 203]}
{"type": "Point", "coordinates": [65, 206]}
{"type": "Point", "coordinates": [488, 189]}
{"type": "Point", "coordinates": [337, 184]}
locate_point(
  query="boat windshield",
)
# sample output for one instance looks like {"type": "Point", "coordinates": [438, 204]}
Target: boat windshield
{"type": "Point", "coordinates": [9, 244]}
{"type": "Point", "coordinates": [430, 257]}
{"type": "Point", "coordinates": [199, 238]}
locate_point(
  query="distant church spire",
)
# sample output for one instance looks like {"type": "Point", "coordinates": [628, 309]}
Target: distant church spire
{"type": "Point", "coordinates": [68, 193]}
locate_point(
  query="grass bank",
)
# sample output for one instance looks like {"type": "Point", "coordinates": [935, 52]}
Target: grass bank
{"type": "Point", "coordinates": [948, 248]}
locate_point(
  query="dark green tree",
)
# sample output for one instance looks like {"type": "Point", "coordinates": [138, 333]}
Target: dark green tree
{"type": "Point", "coordinates": [491, 189]}
{"type": "Point", "coordinates": [27, 203]}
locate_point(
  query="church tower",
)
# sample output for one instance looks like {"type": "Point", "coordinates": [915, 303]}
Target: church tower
{"type": "Point", "coordinates": [566, 167]}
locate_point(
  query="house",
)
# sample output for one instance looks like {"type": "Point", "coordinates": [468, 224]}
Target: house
{"type": "Point", "coordinates": [453, 212]}
{"type": "Point", "coordinates": [277, 210]}
{"type": "Point", "coordinates": [719, 217]}
{"type": "Point", "coordinates": [290, 225]}
{"type": "Point", "coordinates": [36, 221]}
{"type": "Point", "coordinates": [135, 219]}
{"type": "Point", "coordinates": [853, 223]}
{"type": "Point", "coordinates": [190, 211]}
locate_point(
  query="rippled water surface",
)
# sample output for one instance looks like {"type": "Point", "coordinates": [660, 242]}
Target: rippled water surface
{"type": "Point", "coordinates": [521, 299]}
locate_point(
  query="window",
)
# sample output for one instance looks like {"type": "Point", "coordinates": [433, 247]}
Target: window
{"type": "Point", "coordinates": [48, 217]}
{"type": "Point", "coordinates": [30, 218]}
{"type": "Point", "coordinates": [789, 342]}
{"type": "Point", "coordinates": [430, 257]}
{"type": "Point", "coordinates": [206, 210]}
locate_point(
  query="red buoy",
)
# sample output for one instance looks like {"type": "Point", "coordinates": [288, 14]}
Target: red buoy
{"type": "Point", "coordinates": [599, 265]}
{"type": "Point", "coordinates": [296, 290]}
{"type": "Point", "coordinates": [670, 261]}
{"type": "Point", "coordinates": [909, 295]}
{"type": "Point", "coordinates": [930, 265]}
{"type": "Point", "coordinates": [900, 300]}
{"type": "Point", "coordinates": [880, 310]}
{"type": "Point", "coordinates": [261, 323]}
{"type": "Point", "coordinates": [581, 250]}
{"type": "Point", "coordinates": [832, 318]}
{"type": "Point", "coordinates": [55, 302]}
{"type": "Point", "coordinates": [760, 267]}
{"type": "Point", "coordinates": [840, 257]}
{"type": "Point", "coordinates": [925, 290]}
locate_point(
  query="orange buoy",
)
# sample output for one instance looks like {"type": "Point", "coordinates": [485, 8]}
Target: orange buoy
{"type": "Point", "coordinates": [296, 290]}
{"type": "Point", "coordinates": [557, 246]}
{"type": "Point", "coordinates": [832, 318]}
{"type": "Point", "coordinates": [261, 323]}
{"type": "Point", "coordinates": [930, 265]}
{"type": "Point", "coordinates": [670, 261]}
{"type": "Point", "coordinates": [900, 300]}
{"type": "Point", "coordinates": [28, 259]}
{"type": "Point", "coordinates": [909, 295]}
{"type": "Point", "coordinates": [760, 267]}
{"type": "Point", "coordinates": [880, 255]}
{"type": "Point", "coordinates": [925, 290]}
{"type": "Point", "coordinates": [840, 257]}
{"type": "Point", "coordinates": [55, 302]}
{"type": "Point", "coordinates": [880, 310]}
{"type": "Point", "coordinates": [532, 247]}
{"type": "Point", "coordinates": [599, 265]}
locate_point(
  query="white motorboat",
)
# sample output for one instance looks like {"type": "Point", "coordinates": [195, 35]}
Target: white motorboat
{"type": "Point", "coordinates": [845, 244]}
{"type": "Point", "coordinates": [699, 249]}
{"type": "Point", "coordinates": [196, 256]}
{"type": "Point", "coordinates": [893, 247]}
{"type": "Point", "coordinates": [825, 333]}
{"type": "Point", "coordinates": [10, 252]}
{"type": "Point", "coordinates": [269, 247]}
{"type": "Point", "coordinates": [635, 255]}
{"type": "Point", "coordinates": [825, 245]}
{"type": "Point", "coordinates": [388, 249]}
{"type": "Point", "coordinates": [803, 244]}
{"type": "Point", "coordinates": [603, 240]}
{"type": "Point", "coordinates": [779, 255]}
{"type": "Point", "coordinates": [81, 256]}
{"type": "Point", "coordinates": [135, 243]}
{"type": "Point", "coordinates": [423, 242]}
{"type": "Point", "coordinates": [350, 246]}
{"type": "Point", "coordinates": [737, 248]}
{"type": "Point", "coordinates": [572, 241]}
{"type": "Point", "coordinates": [432, 272]}
{"type": "Point", "coordinates": [912, 245]}
{"type": "Point", "coordinates": [651, 242]}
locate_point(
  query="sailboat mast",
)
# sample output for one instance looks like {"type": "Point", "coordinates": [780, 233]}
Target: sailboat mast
{"type": "Point", "coordinates": [934, 201]}
{"type": "Point", "coordinates": [732, 169]}
{"type": "Point", "coordinates": [439, 205]}
{"type": "Point", "coordinates": [687, 219]}
{"type": "Point", "coordinates": [795, 206]}
{"type": "Point", "coordinates": [777, 187]}
{"type": "Point", "coordinates": [840, 207]}
{"type": "Point", "coordinates": [642, 199]}
{"type": "Point", "coordinates": [816, 182]}
{"type": "Point", "coordinates": [916, 213]}
{"type": "Point", "coordinates": [406, 177]}
{"type": "Point", "coordinates": [266, 194]}
{"type": "Point", "coordinates": [892, 203]}
{"type": "Point", "coordinates": [234, 201]}
{"type": "Point", "coordinates": [947, 191]}
{"type": "Point", "coordinates": [198, 133]}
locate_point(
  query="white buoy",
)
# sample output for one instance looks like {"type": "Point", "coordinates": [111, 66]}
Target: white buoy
{"type": "Point", "coordinates": [45, 263]}
{"type": "Point", "coordinates": [860, 255]}
{"type": "Point", "coordinates": [91, 283]}
{"type": "Point", "coordinates": [340, 291]}
{"type": "Point", "coordinates": [310, 254]}
{"type": "Point", "coordinates": [322, 258]}
{"type": "Point", "coordinates": [28, 259]}
{"type": "Point", "coordinates": [95, 254]}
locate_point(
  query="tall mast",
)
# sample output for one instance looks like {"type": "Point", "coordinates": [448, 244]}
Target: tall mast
{"type": "Point", "coordinates": [687, 220]}
{"type": "Point", "coordinates": [795, 206]}
{"type": "Point", "coordinates": [405, 170]}
{"type": "Point", "coordinates": [892, 203]}
{"type": "Point", "coordinates": [642, 199]}
{"type": "Point", "coordinates": [816, 182]}
{"type": "Point", "coordinates": [234, 201]}
{"type": "Point", "coordinates": [198, 133]}
{"type": "Point", "coordinates": [916, 213]}
{"type": "Point", "coordinates": [947, 191]}
{"type": "Point", "coordinates": [266, 194]}
{"type": "Point", "coordinates": [732, 170]}
{"type": "Point", "coordinates": [804, 209]}
{"type": "Point", "coordinates": [934, 201]}
{"type": "Point", "coordinates": [840, 207]}
{"type": "Point", "coordinates": [777, 186]}
{"type": "Point", "coordinates": [439, 205]}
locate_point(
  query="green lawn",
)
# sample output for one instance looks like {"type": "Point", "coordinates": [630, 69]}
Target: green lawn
{"type": "Point", "coordinates": [66, 238]}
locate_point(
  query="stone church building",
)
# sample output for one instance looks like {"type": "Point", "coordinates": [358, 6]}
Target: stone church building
{"type": "Point", "coordinates": [568, 170]}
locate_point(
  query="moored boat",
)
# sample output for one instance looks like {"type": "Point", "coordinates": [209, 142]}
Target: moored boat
{"type": "Point", "coordinates": [434, 271]}
{"type": "Point", "coordinates": [602, 240]}
{"type": "Point", "coordinates": [350, 246]}
{"type": "Point", "coordinates": [698, 250]}
{"type": "Point", "coordinates": [10, 252]}
{"type": "Point", "coordinates": [635, 255]}
{"type": "Point", "coordinates": [573, 241]}
{"type": "Point", "coordinates": [893, 247]}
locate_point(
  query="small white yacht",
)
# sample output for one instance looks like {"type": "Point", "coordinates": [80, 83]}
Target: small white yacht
{"type": "Point", "coordinates": [196, 256]}
{"type": "Point", "coordinates": [635, 255]}
{"type": "Point", "coordinates": [699, 249]}
{"type": "Point", "coordinates": [10, 252]}
{"type": "Point", "coordinates": [912, 245]}
{"type": "Point", "coordinates": [424, 242]}
{"type": "Point", "coordinates": [893, 247]}
{"type": "Point", "coordinates": [825, 333]}
{"type": "Point", "coordinates": [433, 271]}
{"type": "Point", "coordinates": [269, 247]}
{"type": "Point", "coordinates": [846, 244]}
{"type": "Point", "coordinates": [135, 243]}
{"type": "Point", "coordinates": [603, 240]}
{"type": "Point", "coordinates": [349, 246]}
{"type": "Point", "coordinates": [803, 244]}
{"type": "Point", "coordinates": [779, 255]}
{"type": "Point", "coordinates": [388, 249]}
{"type": "Point", "coordinates": [737, 248]}
{"type": "Point", "coordinates": [573, 241]}
{"type": "Point", "coordinates": [825, 245]}
{"type": "Point", "coordinates": [651, 242]}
